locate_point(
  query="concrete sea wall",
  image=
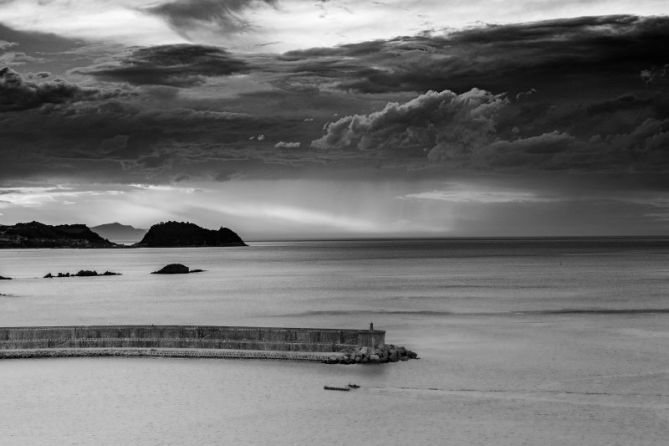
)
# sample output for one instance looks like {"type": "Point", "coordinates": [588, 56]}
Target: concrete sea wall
{"type": "Point", "coordinates": [183, 341]}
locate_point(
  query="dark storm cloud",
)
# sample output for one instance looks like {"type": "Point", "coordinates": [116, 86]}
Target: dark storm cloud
{"type": "Point", "coordinates": [561, 95]}
{"type": "Point", "coordinates": [602, 52]}
{"type": "Point", "coordinates": [655, 74]}
{"type": "Point", "coordinates": [586, 94]}
{"type": "Point", "coordinates": [621, 103]}
{"type": "Point", "coordinates": [171, 65]}
{"type": "Point", "coordinates": [479, 130]}
{"type": "Point", "coordinates": [224, 14]}
{"type": "Point", "coordinates": [16, 93]}
{"type": "Point", "coordinates": [535, 151]}
{"type": "Point", "coordinates": [130, 139]}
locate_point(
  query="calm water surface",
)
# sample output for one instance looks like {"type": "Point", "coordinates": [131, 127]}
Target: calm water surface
{"type": "Point", "coordinates": [537, 342]}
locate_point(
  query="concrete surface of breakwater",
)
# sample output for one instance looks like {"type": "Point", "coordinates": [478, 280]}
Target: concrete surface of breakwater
{"type": "Point", "coordinates": [308, 344]}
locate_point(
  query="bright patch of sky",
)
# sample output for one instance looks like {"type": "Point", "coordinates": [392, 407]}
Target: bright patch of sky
{"type": "Point", "coordinates": [293, 24]}
{"type": "Point", "coordinates": [303, 209]}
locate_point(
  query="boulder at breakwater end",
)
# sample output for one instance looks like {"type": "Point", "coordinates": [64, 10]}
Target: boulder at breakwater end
{"type": "Point", "coordinates": [176, 268]}
{"type": "Point", "coordinates": [365, 355]}
{"type": "Point", "coordinates": [82, 273]}
{"type": "Point", "coordinates": [179, 234]}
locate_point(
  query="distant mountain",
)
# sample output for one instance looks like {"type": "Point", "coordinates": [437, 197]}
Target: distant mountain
{"type": "Point", "coordinates": [119, 233]}
{"type": "Point", "coordinates": [39, 235]}
{"type": "Point", "coordinates": [175, 234]}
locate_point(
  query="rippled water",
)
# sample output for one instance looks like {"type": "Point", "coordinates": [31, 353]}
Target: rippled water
{"type": "Point", "coordinates": [545, 342]}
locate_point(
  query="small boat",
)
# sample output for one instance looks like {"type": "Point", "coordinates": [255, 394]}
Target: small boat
{"type": "Point", "coordinates": [353, 386]}
{"type": "Point", "coordinates": [341, 389]}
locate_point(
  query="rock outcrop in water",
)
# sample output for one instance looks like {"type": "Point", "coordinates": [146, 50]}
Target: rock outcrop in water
{"type": "Point", "coordinates": [82, 273]}
{"type": "Point", "coordinates": [179, 234]}
{"type": "Point", "coordinates": [176, 268]}
{"type": "Point", "coordinates": [39, 235]}
{"type": "Point", "coordinates": [365, 355]}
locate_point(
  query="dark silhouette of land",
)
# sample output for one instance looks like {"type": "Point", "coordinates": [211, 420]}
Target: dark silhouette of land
{"type": "Point", "coordinates": [179, 234]}
{"type": "Point", "coordinates": [170, 234]}
{"type": "Point", "coordinates": [39, 235]}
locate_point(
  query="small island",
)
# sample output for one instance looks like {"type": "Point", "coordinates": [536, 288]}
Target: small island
{"type": "Point", "coordinates": [183, 235]}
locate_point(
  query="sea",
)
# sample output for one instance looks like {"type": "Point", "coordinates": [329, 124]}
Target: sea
{"type": "Point", "coordinates": [521, 342]}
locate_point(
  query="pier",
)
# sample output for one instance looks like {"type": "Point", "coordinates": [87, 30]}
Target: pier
{"type": "Point", "coordinates": [184, 341]}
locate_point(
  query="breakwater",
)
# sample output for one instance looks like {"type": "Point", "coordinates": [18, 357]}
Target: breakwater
{"type": "Point", "coordinates": [314, 344]}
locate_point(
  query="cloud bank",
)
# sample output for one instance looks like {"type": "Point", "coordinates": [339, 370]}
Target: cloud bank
{"type": "Point", "coordinates": [541, 111]}
{"type": "Point", "coordinates": [439, 125]}
{"type": "Point", "coordinates": [16, 93]}
{"type": "Point", "coordinates": [172, 65]}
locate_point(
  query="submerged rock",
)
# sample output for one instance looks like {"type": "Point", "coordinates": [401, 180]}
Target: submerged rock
{"type": "Point", "coordinates": [176, 268]}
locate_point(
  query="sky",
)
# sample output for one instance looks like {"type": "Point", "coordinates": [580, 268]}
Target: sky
{"type": "Point", "coordinates": [291, 119]}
